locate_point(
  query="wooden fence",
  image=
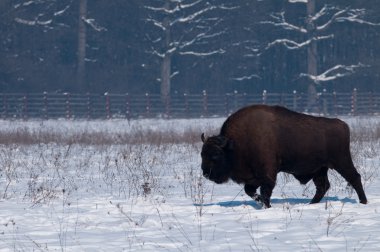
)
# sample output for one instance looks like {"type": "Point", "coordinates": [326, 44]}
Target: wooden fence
{"type": "Point", "coordinates": [107, 106]}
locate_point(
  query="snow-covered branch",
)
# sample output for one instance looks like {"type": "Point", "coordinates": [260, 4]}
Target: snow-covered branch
{"type": "Point", "coordinates": [92, 23]}
{"type": "Point", "coordinates": [33, 22]}
{"type": "Point", "coordinates": [341, 15]}
{"type": "Point", "coordinates": [184, 27]}
{"type": "Point", "coordinates": [203, 54]}
{"type": "Point", "coordinates": [280, 21]}
{"type": "Point", "coordinates": [293, 45]}
{"type": "Point", "coordinates": [298, 1]}
{"type": "Point", "coordinates": [356, 16]}
{"type": "Point", "coordinates": [244, 78]}
{"type": "Point", "coordinates": [197, 38]}
{"type": "Point", "coordinates": [156, 23]}
{"type": "Point", "coordinates": [193, 15]}
{"type": "Point", "coordinates": [178, 7]}
{"type": "Point", "coordinates": [47, 12]}
{"type": "Point", "coordinates": [61, 12]}
{"type": "Point", "coordinates": [334, 17]}
{"type": "Point", "coordinates": [333, 73]}
{"type": "Point", "coordinates": [161, 55]}
{"type": "Point", "coordinates": [322, 12]}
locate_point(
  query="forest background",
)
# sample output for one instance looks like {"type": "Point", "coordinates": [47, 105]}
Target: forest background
{"type": "Point", "coordinates": [187, 46]}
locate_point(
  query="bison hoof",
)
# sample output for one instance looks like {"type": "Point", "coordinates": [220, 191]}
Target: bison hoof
{"type": "Point", "coordinates": [259, 199]}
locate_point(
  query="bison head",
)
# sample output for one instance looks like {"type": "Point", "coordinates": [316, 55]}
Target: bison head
{"type": "Point", "coordinates": [215, 158]}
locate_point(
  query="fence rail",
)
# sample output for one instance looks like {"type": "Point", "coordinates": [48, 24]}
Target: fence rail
{"type": "Point", "coordinates": [107, 106]}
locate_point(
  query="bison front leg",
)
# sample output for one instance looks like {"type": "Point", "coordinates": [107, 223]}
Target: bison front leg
{"type": "Point", "coordinates": [266, 190]}
{"type": "Point", "coordinates": [322, 184]}
{"type": "Point", "coordinates": [250, 190]}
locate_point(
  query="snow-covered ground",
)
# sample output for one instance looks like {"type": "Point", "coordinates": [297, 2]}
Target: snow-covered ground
{"type": "Point", "coordinates": [152, 197]}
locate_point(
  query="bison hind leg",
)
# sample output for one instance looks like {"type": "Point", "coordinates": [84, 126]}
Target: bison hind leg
{"type": "Point", "coordinates": [348, 171]}
{"type": "Point", "coordinates": [322, 184]}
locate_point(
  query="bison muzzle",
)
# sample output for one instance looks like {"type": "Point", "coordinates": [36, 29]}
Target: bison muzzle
{"type": "Point", "coordinates": [259, 141]}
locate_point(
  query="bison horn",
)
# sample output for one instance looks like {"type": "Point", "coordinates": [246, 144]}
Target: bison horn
{"type": "Point", "coordinates": [203, 137]}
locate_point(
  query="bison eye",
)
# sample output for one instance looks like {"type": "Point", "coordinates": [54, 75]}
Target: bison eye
{"type": "Point", "coordinates": [214, 158]}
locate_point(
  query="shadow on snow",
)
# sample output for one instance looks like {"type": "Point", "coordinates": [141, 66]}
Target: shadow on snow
{"type": "Point", "coordinates": [291, 201]}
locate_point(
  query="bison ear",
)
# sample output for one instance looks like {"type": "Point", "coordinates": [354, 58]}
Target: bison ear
{"type": "Point", "coordinates": [203, 137]}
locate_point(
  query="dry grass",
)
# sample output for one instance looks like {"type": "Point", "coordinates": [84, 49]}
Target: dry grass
{"type": "Point", "coordinates": [361, 130]}
{"type": "Point", "coordinates": [27, 137]}
{"type": "Point", "coordinates": [366, 130]}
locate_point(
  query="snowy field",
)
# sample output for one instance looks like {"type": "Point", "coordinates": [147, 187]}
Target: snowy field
{"type": "Point", "coordinates": [122, 185]}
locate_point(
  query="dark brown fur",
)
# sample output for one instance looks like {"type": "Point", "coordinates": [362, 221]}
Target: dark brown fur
{"type": "Point", "coordinates": [259, 141]}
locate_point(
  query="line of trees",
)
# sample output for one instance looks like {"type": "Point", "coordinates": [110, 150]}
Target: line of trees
{"type": "Point", "coordinates": [168, 46]}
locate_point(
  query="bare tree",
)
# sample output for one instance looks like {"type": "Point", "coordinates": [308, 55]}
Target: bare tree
{"type": "Point", "coordinates": [316, 28]}
{"type": "Point", "coordinates": [183, 28]}
{"type": "Point", "coordinates": [46, 14]}
{"type": "Point", "coordinates": [43, 13]}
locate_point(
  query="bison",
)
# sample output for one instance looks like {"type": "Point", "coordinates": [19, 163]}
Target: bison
{"type": "Point", "coordinates": [257, 142]}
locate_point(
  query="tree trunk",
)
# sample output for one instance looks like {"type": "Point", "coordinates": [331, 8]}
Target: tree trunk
{"type": "Point", "coordinates": [165, 78]}
{"type": "Point", "coordinates": [312, 65]}
{"type": "Point", "coordinates": [166, 61]}
{"type": "Point", "coordinates": [81, 65]}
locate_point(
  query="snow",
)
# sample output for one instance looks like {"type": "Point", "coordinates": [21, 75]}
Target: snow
{"type": "Point", "coordinates": [152, 197]}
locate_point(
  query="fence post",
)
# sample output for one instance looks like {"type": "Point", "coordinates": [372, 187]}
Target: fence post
{"type": "Point", "coordinates": [354, 102]}
{"type": "Point", "coordinates": [127, 106]}
{"type": "Point", "coordinates": [187, 108]}
{"type": "Point", "coordinates": [5, 106]}
{"type": "Point", "coordinates": [147, 105]}
{"type": "Point", "coordinates": [88, 106]}
{"type": "Point", "coordinates": [371, 105]}
{"type": "Point", "coordinates": [108, 105]}
{"type": "Point", "coordinates": [45, 106]}
{"type": "Point", "coordinates": [335, 105]}
{"type": "Point", "coordinates": [68, 108]}
{"type": "Point", "coordinates": [294, 100]}
{"type": "Point", "coordinates": [25, 107]}
{"type": "Point", "coordinates": [236, 102]}
{"type": "Point", "coordinates": [324, 102]}
{"type": "Point", "coordinates": [226, 104]}
{"type": "Point", "coordinates": [205, 112]}
{"type": "Point", "coordinates": [265, 97]}
{"type": "Point", "coordinates": [167, 106]}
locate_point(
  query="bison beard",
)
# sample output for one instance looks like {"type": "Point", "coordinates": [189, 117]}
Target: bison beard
{"type": "Point", "coordinates": [258, 142]}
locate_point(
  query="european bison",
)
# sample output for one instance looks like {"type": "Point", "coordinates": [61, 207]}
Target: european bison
{"type": "Point", "coordinates": [259, 141]}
